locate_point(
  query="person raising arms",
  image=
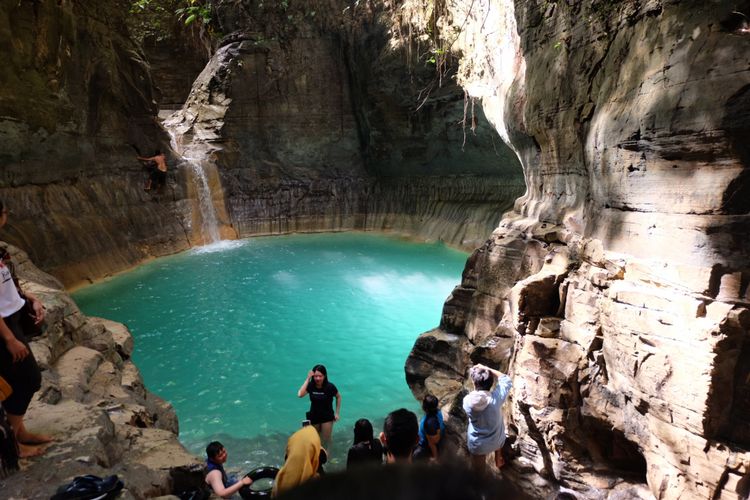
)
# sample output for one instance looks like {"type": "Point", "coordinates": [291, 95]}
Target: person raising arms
{"type": "Point", "coordinates": [486, 429]}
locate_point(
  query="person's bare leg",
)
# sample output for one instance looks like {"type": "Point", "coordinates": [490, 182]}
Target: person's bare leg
{"type": "Point", "coordinates": [478, 463]}
{"type": "Point", "coordinates": [28, 451]}
{"type": "Point", "coordinates": [23, 436]}
{"type": "Point", "coordinates": [499, 460]}
{"type": "Point", "coordinates": [326, 429]}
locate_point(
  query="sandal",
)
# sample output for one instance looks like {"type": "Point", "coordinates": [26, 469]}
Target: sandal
{"type": "Point", "coordinates": [89, 487]}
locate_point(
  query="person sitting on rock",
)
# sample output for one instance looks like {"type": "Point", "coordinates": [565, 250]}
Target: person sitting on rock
{"type": "Point", "coordinates": [431, 430]}
{"type": "Point", "coordinates": [400, 435]}
{"type": "Point", "coordinates": [216, 478]}
{"type": "Point", "coordinates": [158, 175]}
{"type": "Point", "coordinates": [17, 363]}
{"type": "Point", "coordinates": [486, 429]}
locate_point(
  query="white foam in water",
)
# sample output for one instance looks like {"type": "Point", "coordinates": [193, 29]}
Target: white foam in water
{"type": "Point", "coordinates": [220, 246]}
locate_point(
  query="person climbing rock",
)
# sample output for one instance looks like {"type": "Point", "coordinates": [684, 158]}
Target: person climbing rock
{"type": "Point", "coordinates": [17, 363]}
{"type": "Point", "coordinates": [486, 429]}
{"type": "Point", "coordinates": [158, 174]}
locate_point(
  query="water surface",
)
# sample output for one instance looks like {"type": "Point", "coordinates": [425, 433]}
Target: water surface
{"type": "Point", "coordinates": [228, 333]}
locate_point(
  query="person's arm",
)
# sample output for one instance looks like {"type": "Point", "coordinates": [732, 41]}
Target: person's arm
{"type": "Point", "coordinates": [432, 442]}
{"type": "Point", "coordinates": [144, 158]}
{"type": "Point", "coordinates": [303, 390]}
{"type": "Point", "coordinates": [504, 382]}
{"type": "Point", "coordinates": [432, 435]}
{"type": "Point", "coordinates": [338, 405]}
{"type": "Point", "coordinates": [496, 373]}
{"type": "Point", "coordinates": [214, 480]}
{"type": "Point", "coordinates": [16, 348]}
{"type": "Point", "coordinates": [38, 308]}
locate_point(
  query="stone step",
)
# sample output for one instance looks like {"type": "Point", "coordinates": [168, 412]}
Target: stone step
{"type": "Point", "coordinates": [75, 369]}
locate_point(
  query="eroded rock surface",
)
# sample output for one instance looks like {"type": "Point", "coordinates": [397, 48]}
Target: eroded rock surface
{"type": "Point", "coordinates": [95, 404]}
{"type": "Point", "coordinates": [323, 124]}
{"type": "Point", "coordinates": [75, 98]}
{"type": "Point", "coordinates": [615, 293]}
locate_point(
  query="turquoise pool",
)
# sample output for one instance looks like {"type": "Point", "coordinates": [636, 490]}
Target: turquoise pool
{"type": "Point", "coordinates": [227, 333]}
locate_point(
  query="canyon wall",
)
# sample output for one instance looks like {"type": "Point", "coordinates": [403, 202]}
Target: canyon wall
{"type": "Point", "coordinates": [313, 125]}
{"type": "Point", "coordinates": [76, 102]}
{"type": "Point", "coordinates": [319, 124]}
{"type": "Point", "coordinates": [614, 291]}
{"type": "Point", "coordinates": [615, 294]}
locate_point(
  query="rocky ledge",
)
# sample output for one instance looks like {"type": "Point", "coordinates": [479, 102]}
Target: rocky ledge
{"type": "Point", "coordinates": [95, 404]}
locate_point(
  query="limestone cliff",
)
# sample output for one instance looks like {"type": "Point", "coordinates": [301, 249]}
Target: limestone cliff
{"type": "Point", "coordinates": [306, 119]}
{"type": "Point", "coordinates": [76, 102]}
{"type": "Point", "coordinates": [95, 404]}
{"type": "Point", "coordinates": [616, 292]}
{"type": "Point", "coordinates": [320, 124]}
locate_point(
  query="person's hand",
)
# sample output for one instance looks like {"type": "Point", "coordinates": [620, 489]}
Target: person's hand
{"type": "Point", "coordinates": [336, 417]}
{"type": "Point", "coordinates": [17, 350]}
{"type": "Point", "coordinates": [246, 481]}
{"type": "Point", "coordinates": [39, 311]}
{"type": "Point", "coordinates": [310, 374]}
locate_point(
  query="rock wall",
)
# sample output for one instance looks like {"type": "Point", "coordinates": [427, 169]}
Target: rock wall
{"type": "Point", "coordinates": [300, 121]}
{"type": "Point", "coordinates": [615, 293]}
{"type": "Point", "coordinates": [75, 98]}
{"type": "Point", "coordinates": [616, 290]}
{"type": "Point", "coordinates": [95, 404]}
{"type": "Point", "coordinates": [311, 128]}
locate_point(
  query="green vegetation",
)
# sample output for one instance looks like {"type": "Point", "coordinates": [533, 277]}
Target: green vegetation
{"type": "Point", "coordinates": [156, 18]}
{"type": "Point", "coordinates": [151, 18]}
{"type": "Point", "coordinates": [195, 10]}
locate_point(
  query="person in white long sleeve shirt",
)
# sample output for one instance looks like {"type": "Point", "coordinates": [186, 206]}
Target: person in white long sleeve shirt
{"type": "Point", "coordinates": [483, 406]}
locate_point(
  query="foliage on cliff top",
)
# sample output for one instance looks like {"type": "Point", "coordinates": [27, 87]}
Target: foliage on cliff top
{"type": "Point", "coordinates": [157, 19]}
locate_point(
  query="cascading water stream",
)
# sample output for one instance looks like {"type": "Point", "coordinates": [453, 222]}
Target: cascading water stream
{"type": "Point", "coordinates": [207, 215]}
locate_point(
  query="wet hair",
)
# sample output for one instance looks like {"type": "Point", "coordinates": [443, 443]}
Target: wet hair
{"type": "Point", "coordinates": [482, 378]}
{"type": "Point", "coordinates": [401, 430]}
{"type": "Point", "coordinates": [321, 369]}
{"type": "Point", "coordinates": [430, 404]}
{"type": "Point", "coordinates": [213, 449]}
{"type": "Point", "coordinates": [2, 205]}
{"type": "Point", "coordinates": [362, 431]}
{"type": "Point", "coordinates": [157, 152]}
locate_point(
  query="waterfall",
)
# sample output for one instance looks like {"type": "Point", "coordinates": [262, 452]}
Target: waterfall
{"type": "Point", "coordinates": [209, 222]}
{"type": "Point", "coordinates": [207, 212]}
